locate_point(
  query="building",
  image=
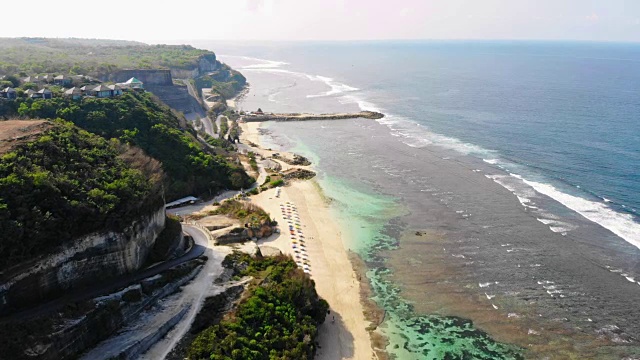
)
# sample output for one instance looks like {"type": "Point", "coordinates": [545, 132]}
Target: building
{"type": "Point", "coordinates": [46, 78]}
{"type": "Point", "coordinates": [9, 93]}
{"type": "Point", "coordinates": [134, 83]}
{"type": "Point", "coordinates": [31, 79]}
{"type": "Point", "coordinates": [101, 91]}
{"type": "Point", "coordinates": [74, 93]}
{"type": "Point", "coordinates": [87, 89]}
{"type": "Point", "coordinates": [46, 93]}
{"type": "Point", "coordinates": [30, 93]}
{"type": "Point", "coordinates": [116, 90]}
{"type": "Point", "coordinates": [62, 80]}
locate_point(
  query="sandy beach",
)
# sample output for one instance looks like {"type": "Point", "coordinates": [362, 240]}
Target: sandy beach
{"type": "Point", "coordinates": [329, 264]}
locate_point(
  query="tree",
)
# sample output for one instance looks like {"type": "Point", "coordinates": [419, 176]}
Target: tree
{"type": "Point", "coordinates": [14, 80]}
{"type": "Point", "coordinates": [30, 85]}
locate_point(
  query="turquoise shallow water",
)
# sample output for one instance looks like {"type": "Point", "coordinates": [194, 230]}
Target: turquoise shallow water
{"type": "Point", "coordinates": [365, 217]}
{"type": "Point", "coordinates": [501, 154]}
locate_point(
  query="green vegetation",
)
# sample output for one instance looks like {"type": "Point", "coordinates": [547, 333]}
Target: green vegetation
{"type": "Point", "coordinates": [234, 133]}
{"type": "Point", "coordinates": [98, 58]}
{"type": "Point", "coordinates": [231, 114]}
{"type": "Point", "coordinates": [252, 161]}
{"type": "Point", "coordinates": [245, 212]}
{"type": "Point", "coordinates": [224, 126]}
{"type": "Point", "coordinates": [225, 81]}
{"type": "Point", "coordinates": [275, 183]}
{"type": "Point", "coordinates": [139, 119]}
{"type": "Point", "coordinates": [278, 319]}
{"type": "Point", "coordinates": [66, 183]}
{"type": "Point", "coordinates": [218, 143]}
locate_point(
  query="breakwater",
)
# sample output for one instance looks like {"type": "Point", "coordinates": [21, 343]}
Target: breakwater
{"type": "Point", "coordinates": [306, 117]}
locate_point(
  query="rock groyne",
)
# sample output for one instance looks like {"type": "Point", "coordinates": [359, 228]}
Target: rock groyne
{"type": "Point", "coordinates": [307, 117]}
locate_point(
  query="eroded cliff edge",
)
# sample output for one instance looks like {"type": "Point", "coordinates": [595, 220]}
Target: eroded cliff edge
{"type": "Point", "coordinates": [95, 257]}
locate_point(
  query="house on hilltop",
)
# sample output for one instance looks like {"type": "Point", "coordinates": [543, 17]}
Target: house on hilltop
{"type": "Point", "coordinates": [30, 93]}
{"type": "Point", "coordinates": [115, 90]}
{"type": "Point", "coordinates": [74, 93]}
{"type": "Point", "coordinates": [31, 79]}
{"type": "Point", "coordinates": [9, 93]}
{"type": "Point", "coordinates": [62, 80]}
{"type": "Point", "coordinates": [101, 91]}
{"type": "Point", "coordinates": [46, 93]}
{"type": "Point", "coordinates": [46, 78]}
{"type": "Point", "coordinates": [134, 83]}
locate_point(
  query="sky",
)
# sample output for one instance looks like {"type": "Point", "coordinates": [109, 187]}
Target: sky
{"type": "Point", "coordinates": [293, 20]}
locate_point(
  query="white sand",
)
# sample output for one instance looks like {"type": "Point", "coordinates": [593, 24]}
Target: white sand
{"type": "Point", "coordinates": [330, 268]}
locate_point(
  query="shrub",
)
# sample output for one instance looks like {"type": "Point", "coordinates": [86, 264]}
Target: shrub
{"type": "Point", "coordinates": [67, 183]}
{"type": "Point", "coordinates": [278, 319]}
{"type": "Point", "coordinates": [276, 183]}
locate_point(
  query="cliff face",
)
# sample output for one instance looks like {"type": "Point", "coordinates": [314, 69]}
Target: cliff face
{"type": "Point", "coordinates": [206, 64]}
{"type": "Point", "coordinates": [148, 77]}
{"type": "Point", "coordinates": [90, 258]}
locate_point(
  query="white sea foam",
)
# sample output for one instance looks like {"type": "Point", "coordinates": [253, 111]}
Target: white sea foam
{"type": "Point", "coordinates": [262, 63]}
{"type": "Point", "coordinates": [416, 135]}
{"type": "Point", "coordinates": [620, 224]}
{"type": "Point", "coordinates": [557, 226]}
{"type": "Point", "coordinates": [272, 97]}
{"type": "Point", "coordinates": [336, 87]}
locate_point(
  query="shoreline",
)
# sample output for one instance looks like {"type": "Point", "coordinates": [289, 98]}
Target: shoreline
{"type": "Point", "coordinates": [353, 334]}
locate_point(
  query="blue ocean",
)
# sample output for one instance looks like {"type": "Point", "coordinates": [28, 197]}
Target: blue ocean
{"type": "Point", "coordinates": [520, 161]}
{"type": "Point", "coordinates": [561, 114]}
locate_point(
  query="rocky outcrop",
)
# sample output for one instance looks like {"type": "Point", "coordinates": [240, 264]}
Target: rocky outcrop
{"type": "Point", "coordinates": [94, 257]}
{"type": "Point", "coordinates": [298, 160]}
{"type": "Point", "coordinates": [243, 234]}
{"type": "Point", "coordinates": [301, 174]}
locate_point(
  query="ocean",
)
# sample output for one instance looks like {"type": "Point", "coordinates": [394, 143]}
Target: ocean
{"type": "Point", "coordinates": [496, 204]}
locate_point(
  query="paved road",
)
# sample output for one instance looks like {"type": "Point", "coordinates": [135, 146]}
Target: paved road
{"type": "Point", "coordinates": [86, 293]}
{"type": "Point", "coordinates": [194, 94]}
{"type": "Point", "coordinates": [208, 126]}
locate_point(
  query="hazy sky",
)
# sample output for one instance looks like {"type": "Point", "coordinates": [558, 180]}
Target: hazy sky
{"type": "Point", "coordinates": [603, 20]}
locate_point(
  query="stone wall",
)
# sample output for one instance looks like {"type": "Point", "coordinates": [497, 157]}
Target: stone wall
{"type": "Point", "coordinates": [95, 257]}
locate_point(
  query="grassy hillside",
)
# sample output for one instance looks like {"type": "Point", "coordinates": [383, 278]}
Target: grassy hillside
{"type": "Point", "coordinates": [92, 57]}
{"type": "Point", "coordinates": [65, 182]}
{"type": "Point", "coordinates": [139, 119]}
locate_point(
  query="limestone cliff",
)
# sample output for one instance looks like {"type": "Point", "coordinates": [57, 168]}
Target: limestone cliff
{"type": "Point", "coordinates": [206, 64]}
{"type": "Point", "coordinates": [94, 257]}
